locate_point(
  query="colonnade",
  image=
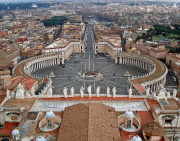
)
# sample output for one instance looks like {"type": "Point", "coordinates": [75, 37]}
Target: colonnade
{"type": "Point", "coordinates": [136, 61]}
{"type": "Point", "coordinates": [156, 71]}
{"type": "Point", "coordinates": [43, 61]}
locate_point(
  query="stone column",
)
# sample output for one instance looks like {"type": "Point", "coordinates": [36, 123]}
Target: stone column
{"type": "Point", "coordinates": [62, 60]}
{"type": "Point", "coordinates": [46, 62]}
{"type": "Point", "coordinates": [116, 60]}
{"type": "Point", "coordinates": [120, 60]}
{"type": "Point", "coordinates": [41, 64]}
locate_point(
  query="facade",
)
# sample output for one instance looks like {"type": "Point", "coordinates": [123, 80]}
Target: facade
{"type": "Point", "coordinates": [173, 61]}
{"type": "Point", "coordinates": [169, 118]}
{"type": "Point", "coordinates": [106, 41]}
{"type": "Point", "coordinates": [65, 47]}
{"type": "Point", "coordinates": [70, 41]}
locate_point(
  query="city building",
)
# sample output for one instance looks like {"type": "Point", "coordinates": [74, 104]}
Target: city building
{"type": "Point", "coordinates": [106, 41]}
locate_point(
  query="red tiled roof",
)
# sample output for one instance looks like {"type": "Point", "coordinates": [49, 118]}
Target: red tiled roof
{"type": "Point", "coordinates": [14, 80]}
{"type": "Point", "coordinates": [145, 117]}
{"type": "Point", "coordinates": [140, 88]}
{"type": "Point", "coordinates": [2, 97]}
{"type": "Point", "coordinates": [152, 104]}
{"type": "Point", "coordinates": [8, 128]}
{"type": "Point", "coordinates": [28, 83]}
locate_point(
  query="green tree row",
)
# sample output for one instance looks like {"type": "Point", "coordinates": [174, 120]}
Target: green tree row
{"type": "Point", "coordinates": [57, 20]}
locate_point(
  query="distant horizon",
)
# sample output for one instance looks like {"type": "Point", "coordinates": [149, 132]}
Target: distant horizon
{"type": "Point", "coordinates": [36, 1]}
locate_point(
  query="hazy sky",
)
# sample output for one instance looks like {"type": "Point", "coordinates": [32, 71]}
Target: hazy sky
{"type": "Point", "coordinates": [14, 1]}
{"type": "Point", "coordinates": [9, 1]}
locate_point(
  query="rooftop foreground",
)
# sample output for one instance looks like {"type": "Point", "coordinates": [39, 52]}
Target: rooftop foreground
{"type": "Point", "coordinates": [28, 115]}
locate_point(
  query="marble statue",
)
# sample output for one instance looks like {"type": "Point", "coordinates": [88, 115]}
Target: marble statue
{"type": "Point", "coordinates": [50, 91]}
{"type": "Point", "coordinates": [108, 92]}
{"type": "Point", "coordinates": [32, 92]}
{"type": "Point", "coordinates": [8, 93]}
{"type": "Point", "coordinates": [72, 92]}
{"type": "Point", "coordinates": [154, 94]}
{"type": "Point", "coordinates": [174, 93]}
{"type": "Point", "coordinates": [147, 91]}
{"type": "Point", "coordinates": [168, 94]}
{"type": "Point", "coordinates": [130, 92]}
{"type": "Point", "coordinates": [174, 78]}
{"type": "Point", "coordinates": [98, 91]}
{"type": "Point", "coordinates": [28, 95]}
{"type": "Point", "coordinates": [89, 90]}
{"type": "Point", "coordinates": [65, 92]}
{"type": "Point", "coordinates": [20, 92]}
{"type": "Point", "coordinates": [50, 80]}
{"type": "Point", "coordinates": [82, 91]}
{"type": "Point", "coordinates": [114, 92]}
{"type": "Point", "coordinates": [13, 94]}
{"type": "Point", "coordinates": [162, 93]}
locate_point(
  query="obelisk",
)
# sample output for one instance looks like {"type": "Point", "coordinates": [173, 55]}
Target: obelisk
{"type": "Point", "coordinates": [89, 65]}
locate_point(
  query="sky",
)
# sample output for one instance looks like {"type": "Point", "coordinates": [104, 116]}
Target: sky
{"type": "Point", "coordinates": [14, 1]}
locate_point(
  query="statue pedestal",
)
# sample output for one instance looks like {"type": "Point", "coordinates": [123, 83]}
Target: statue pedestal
{"type": "Point", "coordinates": [114, 96]}
{"type": "Point", "coordinates": [108, 95]}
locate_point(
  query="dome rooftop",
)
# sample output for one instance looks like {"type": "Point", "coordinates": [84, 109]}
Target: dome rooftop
{"type": "Point", "coordinates": [136, 138]}
{"type": "Point", "coordinates": [153, 128]}
{"type": "Point", "coordinates": [50, 114]}
{"type": "Point", "coordinates": [15, 132]}
{"type": "Point", "coordinates": [129, 114]}
{"type": "Point", "coordinates": [40, 138]}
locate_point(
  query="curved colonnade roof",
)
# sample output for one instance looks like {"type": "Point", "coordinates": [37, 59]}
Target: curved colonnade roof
{"type": "Point", "coordinates": [160, 69]}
